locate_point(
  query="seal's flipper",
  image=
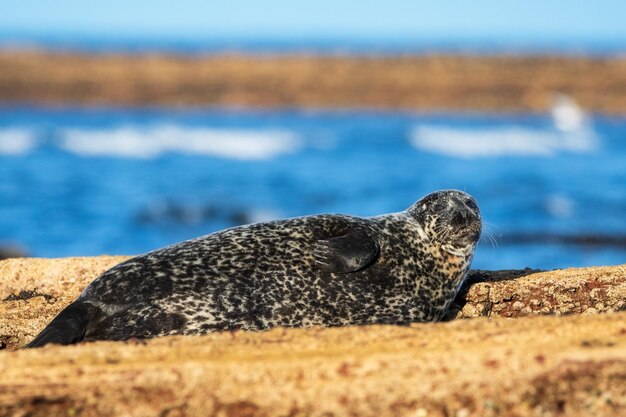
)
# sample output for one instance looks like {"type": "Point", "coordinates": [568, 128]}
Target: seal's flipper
{"type": "Point", "coordinates": [350, 252]}
{"type": "Point", "coordinates": [66, 328]}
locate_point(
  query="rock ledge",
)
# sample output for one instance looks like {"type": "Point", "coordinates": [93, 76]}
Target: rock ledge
{"type": "Point", "coordinates": [559, 364]}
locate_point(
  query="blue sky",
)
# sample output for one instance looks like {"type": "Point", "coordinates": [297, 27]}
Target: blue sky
{"type": "Point", "coordinates": [399, 19]}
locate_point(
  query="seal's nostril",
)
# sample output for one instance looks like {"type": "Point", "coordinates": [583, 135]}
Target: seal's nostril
{"type": "Point", "coordinates": [458, 218]}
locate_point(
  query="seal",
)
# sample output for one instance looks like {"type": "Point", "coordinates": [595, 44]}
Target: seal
{"type": "Point", "coordinates": [322, 270]}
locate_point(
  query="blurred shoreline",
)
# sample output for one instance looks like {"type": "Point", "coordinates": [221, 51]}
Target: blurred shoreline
{"type": "Point", "coordinates": [490, 83]}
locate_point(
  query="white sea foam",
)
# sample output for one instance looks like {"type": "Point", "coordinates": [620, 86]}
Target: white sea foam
{"type": "Point", "coordinates": [517, 141]}
{"type": "Point", "coordinates": [571, 132]}
{"type": "Point", "coordinates": [133, 142]}
{"type": "Point", "coordinates": [17, 141]}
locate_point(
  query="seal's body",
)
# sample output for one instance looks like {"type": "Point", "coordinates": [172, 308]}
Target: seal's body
{"type": "Point", "coordinates": [326, 270]}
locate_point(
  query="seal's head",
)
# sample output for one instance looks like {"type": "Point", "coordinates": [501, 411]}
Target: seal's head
{"type": "Point", "coordinates": [449, 217]}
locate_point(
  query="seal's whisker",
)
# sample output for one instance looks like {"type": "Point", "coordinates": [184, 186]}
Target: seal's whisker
{"type": "Point", "coordinates": [440, 233]}
{"type": "Point", "coordinates": [443, 235]}
{"type": "Point", "coordinates": [486, 223]}
{"type": "Point", "coordinates": [493, 239]}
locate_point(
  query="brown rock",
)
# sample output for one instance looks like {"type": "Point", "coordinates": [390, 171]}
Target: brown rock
{"type": "Point", "coordinates": [538, 366]}
{"type": "Point", "coordinates": [527, 292]}
{"type": "Point", "coordinates": [492, 83]}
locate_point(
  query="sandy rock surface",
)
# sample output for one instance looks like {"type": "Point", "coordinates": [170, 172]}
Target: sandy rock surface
{"type": "Point", "coordinates": [33, 291]}
{"type": "Point", "coordinates": [539, 366]}
{"type": "Point", "coordinates": [561, 364]}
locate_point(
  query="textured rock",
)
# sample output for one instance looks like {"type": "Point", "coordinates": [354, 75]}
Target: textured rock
{"type": "Point", "coordinates": [537, 366]}
{"type": "Point", "coordinates": [33, 291]}
{"type": "Point", "coordinates": [528, 292]}
{"type": "Point", "coordinates": [571, 365]}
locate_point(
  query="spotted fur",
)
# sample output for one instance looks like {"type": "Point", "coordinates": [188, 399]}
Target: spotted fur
{"type": "Point", "coordinates": [277, 273]}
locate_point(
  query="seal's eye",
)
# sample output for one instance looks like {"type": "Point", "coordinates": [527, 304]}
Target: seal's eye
{"type": "Point", "coordinates": [439, 207]}
{"type": "Point", "coordinates": [471, 204]}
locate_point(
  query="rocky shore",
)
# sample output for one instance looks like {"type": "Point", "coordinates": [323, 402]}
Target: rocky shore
{"type": "Point", "coordinates": [538, 344]}
{"type": "Point", "coordinates": [430, 82]}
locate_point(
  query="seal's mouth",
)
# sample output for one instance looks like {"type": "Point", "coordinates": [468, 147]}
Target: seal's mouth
{"type": "Point", "coordinates": [459, 236]}
{"type": "Point", "coordinates": [472, 234]}
{"type": "Point", "coordinates": [461, 242]}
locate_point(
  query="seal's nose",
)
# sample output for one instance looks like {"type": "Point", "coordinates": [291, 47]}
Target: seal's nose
{"type": "Point", "coordinates": [459, 218]}
{"type": "Point", "coordinates": [462, 215]}
{"type": "Point", "coordinates": [458, 204]}
{"type": "Point", "coordinates": [464, 204]}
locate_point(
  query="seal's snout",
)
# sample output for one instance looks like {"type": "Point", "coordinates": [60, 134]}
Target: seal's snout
{"type": "Point", "coordinates": [460, 218]}
{"type": "Point", "coordinates": [466, 222]}
{"type": "Point", "coordinates": [464, 211]}
{"type": "Point", "coordinates": [449, 216]}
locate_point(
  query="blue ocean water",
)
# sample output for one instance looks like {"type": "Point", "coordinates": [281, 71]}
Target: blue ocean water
{"type": "Point", "coordinates": [125, 181]}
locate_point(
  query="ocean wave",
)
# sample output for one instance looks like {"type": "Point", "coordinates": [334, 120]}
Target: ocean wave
{"type": "Point", "coordinates": [571, 132]}
{"type": "Point", "coordinates": [505, 141]}
{"type": "Point", "coordinates": [151, 142]}
{"type": "Point", "coordinates": [17, 141]}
